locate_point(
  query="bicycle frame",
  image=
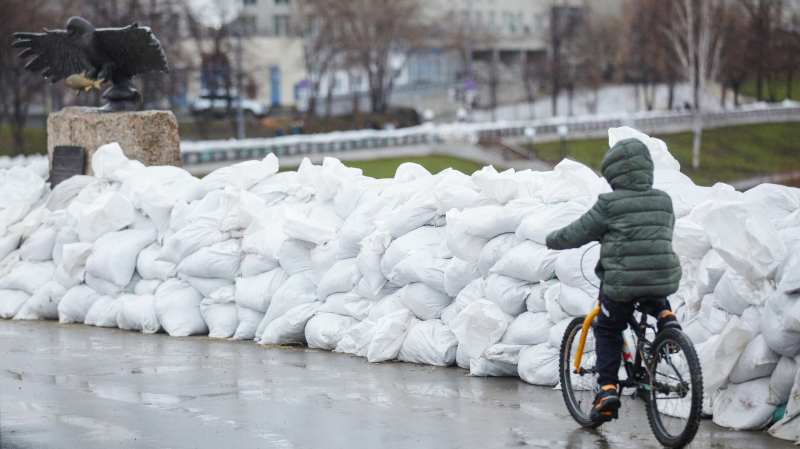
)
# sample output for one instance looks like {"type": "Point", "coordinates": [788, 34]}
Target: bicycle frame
{"type": "Point", "coordinates": [639, 329]}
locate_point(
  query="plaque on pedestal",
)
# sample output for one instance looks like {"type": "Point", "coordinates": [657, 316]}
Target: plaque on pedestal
{"type": "Point", "coordinates": [68, 161]}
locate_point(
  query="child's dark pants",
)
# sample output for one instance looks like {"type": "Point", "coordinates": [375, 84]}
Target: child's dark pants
{"type": "Point", "coordinates": [611, 322]}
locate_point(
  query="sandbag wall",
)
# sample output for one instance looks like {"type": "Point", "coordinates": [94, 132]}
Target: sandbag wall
{"type": "Point", "coordinates": [445, 269]}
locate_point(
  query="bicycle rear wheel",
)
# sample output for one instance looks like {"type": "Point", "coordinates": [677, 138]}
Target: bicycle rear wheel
{"type": "Point", "coordinates": [579, 389]}
{"type": "Point", "coordinates": [676, 389]}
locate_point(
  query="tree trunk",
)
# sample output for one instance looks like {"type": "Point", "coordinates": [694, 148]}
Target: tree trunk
{"type": "Point", "coordinates": [736, 95]}
{"type": "Point", "coordinates": [698, 135]}
{"type": "Point", "coordinates": [789, 80]}
{"type": "Point", "coordinates": [671, 99]}
{"type": "Point", "coordinates": [722, 98]}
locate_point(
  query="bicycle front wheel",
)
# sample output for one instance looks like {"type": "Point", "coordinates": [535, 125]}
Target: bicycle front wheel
{"type": "Point", "coordinates": [675, 390]}
{"type": "Point", "coordinates": [579, 387]}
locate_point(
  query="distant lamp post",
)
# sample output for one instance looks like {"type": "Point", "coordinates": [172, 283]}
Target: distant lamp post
{"type": "Point", "coordinates": [563, 131]}
{"type": "Point", "coordinates": [530, 133]}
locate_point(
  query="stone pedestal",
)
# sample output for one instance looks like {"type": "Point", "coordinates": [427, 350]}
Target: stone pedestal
{"type": "Point", "coordinates": [147, 136]}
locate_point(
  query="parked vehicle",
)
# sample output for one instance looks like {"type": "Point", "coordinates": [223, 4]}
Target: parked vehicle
{"type": "Point", "coordinates": [220, 103]}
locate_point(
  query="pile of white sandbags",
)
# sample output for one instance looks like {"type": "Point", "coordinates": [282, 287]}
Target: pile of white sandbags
{"type": "Point", "coordinates": [444, 269]}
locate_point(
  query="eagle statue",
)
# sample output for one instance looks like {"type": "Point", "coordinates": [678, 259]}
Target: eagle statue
{"type": "Point", "coordinates": [86, 56]}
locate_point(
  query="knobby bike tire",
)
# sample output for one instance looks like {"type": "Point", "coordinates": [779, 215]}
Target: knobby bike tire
{"type": "Point", "coordinates": [565, 368]}
{"type": "Point", "coordinates": [696, 377]}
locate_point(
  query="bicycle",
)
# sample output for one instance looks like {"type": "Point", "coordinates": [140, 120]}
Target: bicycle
{"type": "Point", "coordinates": [670, 386]}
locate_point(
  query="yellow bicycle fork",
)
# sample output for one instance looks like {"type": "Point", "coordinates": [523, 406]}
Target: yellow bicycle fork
{"type": "Point", "coordinates": [586, 323]}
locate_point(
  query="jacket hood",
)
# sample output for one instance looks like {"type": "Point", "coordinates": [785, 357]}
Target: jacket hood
{"type": "Point", "coordinates": [628, 166]}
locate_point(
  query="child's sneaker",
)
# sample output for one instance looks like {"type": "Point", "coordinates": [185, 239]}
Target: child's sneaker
{"type": "Point", "coordinates": [667, 320]}
{"type": "Point", "coordinates": [606, 405]}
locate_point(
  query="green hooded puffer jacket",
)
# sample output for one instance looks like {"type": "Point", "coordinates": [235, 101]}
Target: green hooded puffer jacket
{"type": "Point", "coordinates": [634, 225]}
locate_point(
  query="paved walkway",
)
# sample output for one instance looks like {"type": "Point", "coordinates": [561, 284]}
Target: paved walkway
{"type": "Point", "coordinates": [80, 386]}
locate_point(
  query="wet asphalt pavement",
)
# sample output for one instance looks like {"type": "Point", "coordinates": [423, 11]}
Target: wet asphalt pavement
{"type": "Point", "coordinates": [80, 386]}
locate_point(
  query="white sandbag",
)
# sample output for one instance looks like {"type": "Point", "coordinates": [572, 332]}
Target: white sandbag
{"type": "Point", "coordinates": [712, 317]}
{"type": "Point", "coordinates": [551, 218]}
{"type": "Point", "coordinates": [494, 250]}
{"type": "Point", "coordinates": [109, 163]}
{"type": "Point", "coordinates": [462, 358]}
{"type": "Point", "coordinates": [11, 301]}
{"type": "Point", "coordinates": [256, 292]}
{"type": "Point", "coordinates": [424, 302]}
{"type": "Point", "coordinates": [389, 333]}
{"type": "Point", "coordinates": [718, 358]}
{"type": "Point", "coordinates": [689, 239]}
{"type": "Point", "coordinates": [150, 267]}
{"type": "Point", "coordinates": [253, 265]}
{"type": "Point", "coordinates": [415, 241]}
{"type": "Point", "coordinates": [743, 235]}
{"type": "Point", "coordinates": [290, 328]}
{"type": "Point", "coordinates": [696, 332]}
{"type": "Point", "coordinates": [743, 406]}
{"type": "Point", "coordinates": [575, 267]}
{"type": "Point", "coordinates": [107, 213]}
{"type": "Point", "coordinates": [103, 312]}
{"type": "Point", "coordinates": [535, 301]}
{"type": "Point", "coordinates": [568, 180]}
{"type": "Point", "coordinates": [348, 304]}
{"type": "Point", "coordinates": [476, 290]}
{"type": "Point", "coordinates": [508, 293]}
{"type": "Point", "coordinates": [8, 244]}
{"type": "Point", "coordinates": [295, 256]}
{"type": "Point", "coordinates": [39, 246]}
{"type": "Point", "coordinates": [787, 275]}
{"type": "Point", "coordinates": [206, 286]}
{"type": "Point", "coordinates": [386, 306]}
{"type": "Point", "coordinates": [734, 293]}
{"type": "Point", "coordinates": [341, 278]}
{"type": "Point", "coordinates": [115, 255]}
{"type": "Point", "coordinates": [324, 257]}
{"type": "Point", "coordinates": [501, 187]}
{"type": "Point", "coordinates": [575, 301]}
{"type": "Point", "coordinates": [305, 228]}
{"type": "Point", "coordinates": [429, 342]}
{"type": "Point", "coordinates": [103, 287]}
{"type": "Point", "coordinates": [221, 260]}
{"type": "Point", "coordinates": [556, 334]}
{"type": "Point", "coordinates": [464, 245]}
{"type": "Point", "coordinates": [781, 381]}
{"type": "Point", "coordinates": [538, 365]}
{"type": "Point", "coordinates": [756, 361]}
{"type": "Point", "coordinates": [220, 313]}
{"type": "Point", "coordinates": [177, 307]}
{"type": "Point", "coordinates": [324, 330]}
{"type": "Point", "coordinates": [709, 272]}
{"type": "Point", "coordinates": [75, 303]}
{"type": "Point", "coordinates": [478, 326]}
{"type": "Point", "coordinates": [28, 276]}
{"type": "Point", "coordinates": [423, 267]}
{"type": "Point", "coordinates": [249, 321]}
{"type": "Point", "coordinates": [780, 322]}
{"type": "Point", "coordinates": [502, 352]}
{"type": "Point", "coordinates": [491, 368]}
{"type": "Point", "coordinates": [369, 265]}
{"type": "Point", "coordinates": [351, 342]}
{"type": "Point", "coordinates": [458, 274]}
{"type": "Point", "coordinates": [191, 238]}
{"type": "Point", "coordinates": [552, 300]}
{"type": "Point", "coordinates": [137, 313]}
{"type": "Point", "coordinates": [778, 201]}
{"type": "Point", "coordinates": [298, 289]}
{"type": "Point", "coordinates": [230, 209]}
{"type": "Point", "coordinates": [43, 305]}
{"type": "Point", "coordinates": [528, 329]}
{"type": "Point", "coordinates": [529, 261]}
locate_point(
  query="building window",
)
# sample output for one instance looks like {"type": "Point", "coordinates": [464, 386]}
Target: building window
{"type": "Point", "coordinates": [250, 2]}
{"type": "Point", "coordinates": [249, 25]}
{"type": "Point", "coordinates": [281, 2]}
{"type": "Point", "coordinates": [281, 24]}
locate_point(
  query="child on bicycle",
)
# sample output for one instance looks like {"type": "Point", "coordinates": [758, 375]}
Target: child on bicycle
{"type": "Point", "coordinates": [634, 225]}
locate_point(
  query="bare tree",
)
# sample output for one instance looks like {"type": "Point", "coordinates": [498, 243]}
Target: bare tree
{"type": "Point", "coordinates": [734, 65]}
{"type": "Point", "coordinates": [381, 34]}
{"type": "Point", "coordinates": [313, 22]}
{"type": "Point", "coordinates": [565, 23]}
{"type": "Point", "coordinates": [694, 33]}
{"type": "Point", "coordinates": [764, 16]}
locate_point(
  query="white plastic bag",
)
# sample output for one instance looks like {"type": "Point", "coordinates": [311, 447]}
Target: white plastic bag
{"type": "Point", "coordinates": [538, 365]}
{"type": "Point", "coordinates": [429, 342]}
{"type": "Point", "coordinates": [575, 267]}
{"type": "Point", "coordinates": [744, 406]}
{"type": "Point", "coordinates": [290, 328]}
{"type": "Point", "coordinates": [115, 254]}
{"type": "Point", "coordinates": [11, 301]}
{"type": "Point", "coordinates": [221, 260]}
{"type": "Point", "coordinates": [177, 307]}
{"type": "Point", "coordinates": [508, 293]}
{"type": "Point", "coordinates": [324, 330]}
{"type": "Point", "coordinates": [39, 246]}
{"type": "Point", "coordinates": [298, 289]}
{"type": "Point", "coordinates": [341, 278]}
{"type": "Point", "coordinates": [103, 312]}
{"type": "Point", "coordinates": [44, 304]}
{"type": "Point", "coordinates": [458, 274]}
{"type": "Point", "coordinates": [480, 325]}
{"type": "Point", "coordinates": [782, 380]}
{"type": "Point", "coordinates": [756, 361]}
{"type": "Point", "coordinates": [528, 329]}
{"type": "Point", "coordinates": [551, 218]}
{"type": "Point", "coordinates": [75, 304]}
{"type": "Point", "coordinates": [388, 335]}
{"type": "Point", "coordinates": [137, 313]}
{"type": "Point", "coordinates": [423, 301]}
{"type": "Point", "coordinates": [256, 292]}
{"type": "Point", "coordinates": [149, 267]}
{"type": "Point", "coordinates": [220, 313]}
{"type": "Point", "coordinates": [28, 276]}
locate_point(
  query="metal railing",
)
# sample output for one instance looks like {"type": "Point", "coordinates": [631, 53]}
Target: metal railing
{"type": "Point", "coordinates": [545, 129]}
